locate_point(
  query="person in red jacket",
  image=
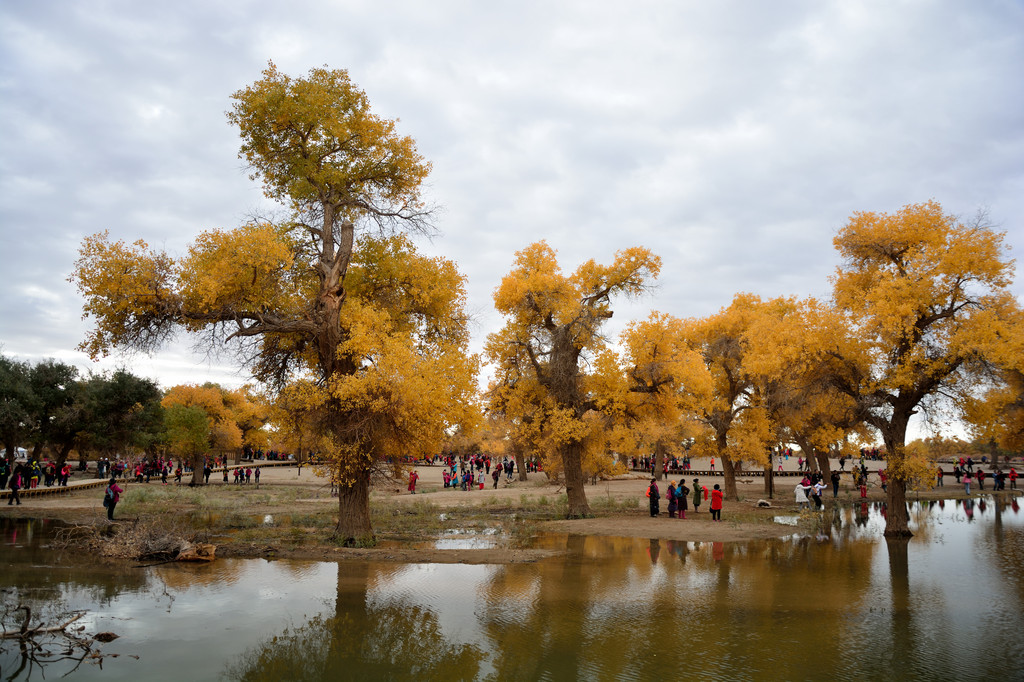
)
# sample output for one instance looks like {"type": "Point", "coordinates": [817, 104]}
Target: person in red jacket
{"type": "Point", "coordinates": [716, 503]}
{"type": "Point", "coordinates": [413, 477]}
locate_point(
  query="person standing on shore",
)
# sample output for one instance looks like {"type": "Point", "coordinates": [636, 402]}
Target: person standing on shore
{"type": "Point", "coordinates": [967, 481]}
{"type": "Point", "coordinates": [800, 492]}
{"type": "Point", "coordinates": [835, 484]}
{"type": "Point", "coordinates": [673, 503]}
{"type": "Point", "coordinates": [716, 503]}
{"type": "Point", "coordinates": [696, 496]}
{"type": "Point", "coordinates": [111, 498]}
{"type": "Point", "coordinates": [654, 495]}
{"type": "Point", "coordinates": [16, 483]}
{"type": "Point", "coordinates": [413, 477]}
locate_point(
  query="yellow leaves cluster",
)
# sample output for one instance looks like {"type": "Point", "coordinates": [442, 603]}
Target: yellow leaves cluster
{"type": "Point", "coordinates": [552, 319]}
{"type": "Point", "coordinates": [920, 281]}
{"type": "Point", "coordinates": [315, 140]}
{"type": "Point", "coordinates": [246, 268]}
{"type": "Point", "coordinates": [537, 294]}
{"type": "Point", "coordinates": [128, 290]}
{"type": "Point", "coordinates": [227, 411]}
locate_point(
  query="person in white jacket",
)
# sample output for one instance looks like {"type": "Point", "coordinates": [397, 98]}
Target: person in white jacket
{"type": "Point", "coordinates": [801, 496]}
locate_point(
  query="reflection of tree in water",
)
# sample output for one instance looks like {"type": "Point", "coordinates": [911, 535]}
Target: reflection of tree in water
{"type": "Point", "coordinates": [1004, 544]}
{"type": "Point", "coordinates": [364, 640]}
{"type": "Point", "coordinates": [607, 612]}
{"type": "Point", "coordinates": [53, 585]}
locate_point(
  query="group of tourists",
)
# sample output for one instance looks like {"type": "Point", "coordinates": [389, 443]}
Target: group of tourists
{"type": "Point", "coordinates": [678, 496]}
{"type": "Point", "coordinates": [35, 471]}
{"type": "Point", "coordinates": [967, 475]}
{"type": "Point", "coordinates": [243, 476]}
{"type": "Point", "coordinates": [671, 464]}
{"type": "Point", "coordinates": [810, 488]}
{"type": "Point", "coordinates": [467, 473]}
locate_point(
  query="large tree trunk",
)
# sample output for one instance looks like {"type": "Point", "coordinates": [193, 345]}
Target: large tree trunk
{"type": "Point", "coordinates": [197, 470]}
{"type": "Point", "coordinates": [572, 469]}
{"type": "Point", "coordinates": [659, 460]}
{"type": "Point", "coordinates": [728, 466]}
{"type": "Point", "coordinates": [824, 466]}
{"type": "Point", "coordinates": [897, 519]}
{"type": "Point", "coordinates": [729, 469]}
{"type": "Point", "coordinates": [520, 457]}
{"type": "Point", "coordinates": [354, 512]}
{"type": "Point", "coordinates": [769, 476]}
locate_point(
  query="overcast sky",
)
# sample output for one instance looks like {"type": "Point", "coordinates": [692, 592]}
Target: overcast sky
{"type": "Point", "coordinates": [732, 138]}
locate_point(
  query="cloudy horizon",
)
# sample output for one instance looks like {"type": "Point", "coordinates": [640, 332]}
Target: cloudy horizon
{"type": "Point", "coordinates": [733, 138]}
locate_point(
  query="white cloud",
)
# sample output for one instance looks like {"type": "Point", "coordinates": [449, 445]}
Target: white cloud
{"type": "Point", "coordinates": [733, 138]}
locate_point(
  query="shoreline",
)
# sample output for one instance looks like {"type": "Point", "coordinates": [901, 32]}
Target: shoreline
{"type": "Point", "coordinates": [291, 516]}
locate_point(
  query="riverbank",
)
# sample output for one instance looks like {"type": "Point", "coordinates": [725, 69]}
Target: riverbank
{"type": "Point", "coordinates": [291, 514]}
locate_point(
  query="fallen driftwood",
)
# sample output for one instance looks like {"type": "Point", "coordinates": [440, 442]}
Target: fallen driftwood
{"type": "Point", "coordinates": [196, 552]}
{"type": "Point", "coordinates": [141, 541]}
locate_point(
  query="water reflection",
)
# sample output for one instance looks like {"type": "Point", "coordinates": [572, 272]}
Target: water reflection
{"type": "Point", "coordinates": [838, 602]}
{"type": "Point", "coordinates": [366, 638]}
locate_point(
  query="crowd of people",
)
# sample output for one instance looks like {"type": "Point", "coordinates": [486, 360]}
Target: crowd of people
{"type": "Point", "coordinates": [467, 473]}
{"type": "Point", "coordinates": [678, 497]}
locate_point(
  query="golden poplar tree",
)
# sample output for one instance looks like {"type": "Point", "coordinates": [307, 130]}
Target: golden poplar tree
{"type": "Point", "coordinates": [336, 294]}
{"type": "Point", "coordinates": [928, 302]}
{"type": "Point", "coordinates": [799, 395]}
{"type": "Point", "coordinates": [553, 321]}
{"type": "Point", "coordinates": [648, 392]}
{"type": "Point", "coordinates": [733, 404]}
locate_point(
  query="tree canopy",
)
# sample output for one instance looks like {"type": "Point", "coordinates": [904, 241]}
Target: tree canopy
{"type": "Point", "coordinates": [335, 293]}
{"type": "Point", "coordinates": [552, 321]}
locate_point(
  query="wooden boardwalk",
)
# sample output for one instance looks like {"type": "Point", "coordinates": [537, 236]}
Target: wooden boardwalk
{"type": "Point", "coordinates": [74, 485]}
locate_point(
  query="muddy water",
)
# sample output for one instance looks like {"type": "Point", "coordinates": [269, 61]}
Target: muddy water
{"type": "Point", "coordinates": [835, 603]}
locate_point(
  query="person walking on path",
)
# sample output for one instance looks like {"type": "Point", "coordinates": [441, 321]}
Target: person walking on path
{"type": "Point", "coordinates": [716, 503]}
{"type": "Point", "coordinates": [111, 498]}
{"type": "Point", "coordinates": [16, 483]}
{"type": "Point", "coordinates": [654, 494]}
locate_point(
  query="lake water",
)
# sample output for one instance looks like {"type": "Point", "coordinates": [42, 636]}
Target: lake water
{"type": "Point", "coordinates": [837, 603]}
